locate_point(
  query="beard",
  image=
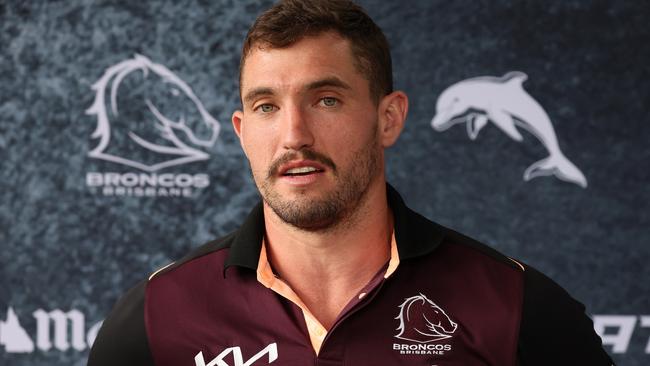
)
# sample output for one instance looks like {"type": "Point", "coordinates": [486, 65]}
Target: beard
{"type": "Point", "coordinates": [333, 208]}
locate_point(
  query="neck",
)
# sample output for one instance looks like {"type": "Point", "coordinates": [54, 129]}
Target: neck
{"type": "Point", "coordinates": [328, 268]}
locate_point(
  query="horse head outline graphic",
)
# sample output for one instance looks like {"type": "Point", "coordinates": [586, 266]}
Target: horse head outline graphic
{"type": "Point", "coordinates": [504, 102]}
{"type": "Point", "coordinates": [422, 321]}
{"type": "Point", "coordinates": [171, 140]}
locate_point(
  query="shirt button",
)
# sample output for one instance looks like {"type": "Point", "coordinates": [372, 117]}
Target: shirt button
{"type": "Point", "coordinates": [362, 295]}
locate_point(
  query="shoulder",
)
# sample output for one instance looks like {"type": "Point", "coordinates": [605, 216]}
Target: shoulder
{"type": "Point", "coordinates": [211, 247]}
{"type": "Point", "coordinates": [123, 339]}
{"type": "Point", "coordinates": [487, 253]}
{"type": "Point", "coordinates": [555, 328]}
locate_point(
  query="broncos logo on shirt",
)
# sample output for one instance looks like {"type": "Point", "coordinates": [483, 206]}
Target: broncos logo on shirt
{"type": "Point", "coordinates": [422, 321]}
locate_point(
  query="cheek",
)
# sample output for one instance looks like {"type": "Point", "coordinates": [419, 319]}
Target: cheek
{"type": "Point", "coordinates": [356, 135]}
{"type": "Point", "coordinates": [258, 150]}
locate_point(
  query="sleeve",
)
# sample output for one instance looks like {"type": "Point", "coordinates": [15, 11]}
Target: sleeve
{"type": "Point", "coordinates": [122, 339]}
{"type": "Point", "coordinates": [554, 327]}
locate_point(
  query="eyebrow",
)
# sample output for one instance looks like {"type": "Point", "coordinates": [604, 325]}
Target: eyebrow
{"type": "Point", "coordinates": [256, 93]}
{"type": "Point", "coordinates": [330, 81]}
{"type": "Point", "coordinates": [326, 82]}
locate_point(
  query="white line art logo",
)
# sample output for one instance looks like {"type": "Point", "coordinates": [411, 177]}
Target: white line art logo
{"type": "Point", "coordinates": [422, 321]}
{"type": "Point", "coordinates": [169, 139]}
{"type": "Point", "coordinates": [271, 350]}
{"type": "Point", "coordinates": [504, 102]}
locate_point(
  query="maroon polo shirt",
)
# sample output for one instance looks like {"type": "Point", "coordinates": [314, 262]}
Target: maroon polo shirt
{"type": "Point", "coordinates": [450, 301]}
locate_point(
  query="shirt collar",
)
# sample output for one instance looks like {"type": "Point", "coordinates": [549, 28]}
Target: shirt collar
{"type": "Point", "coordinates": [247, 243]}
{"type": "Point", "coordinates": [415, 235]}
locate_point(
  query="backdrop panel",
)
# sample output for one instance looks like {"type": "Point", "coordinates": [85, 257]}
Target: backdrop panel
{"type": "Point", "coordinates": [527, 130]}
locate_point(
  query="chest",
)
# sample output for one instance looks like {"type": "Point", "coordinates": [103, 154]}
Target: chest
{"type": "Point", "coordinates": [425, 314]}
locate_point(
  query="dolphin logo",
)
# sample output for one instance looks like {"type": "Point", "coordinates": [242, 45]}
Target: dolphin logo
{"type": "Point", "coordinates": [504, 102]}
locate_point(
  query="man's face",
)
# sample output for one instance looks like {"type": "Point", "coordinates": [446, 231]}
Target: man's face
{"type": "Point", "coordinates": [309, 130]}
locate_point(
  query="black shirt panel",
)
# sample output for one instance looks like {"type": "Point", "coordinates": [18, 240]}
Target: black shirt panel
{"type": "Point", "coordinates": [122, 339]}
{"type": "Point", "coordinates": [555, 329]}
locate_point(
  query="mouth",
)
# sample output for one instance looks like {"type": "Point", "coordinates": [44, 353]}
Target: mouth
{"type": "Point", "coordinates": [301, 169]}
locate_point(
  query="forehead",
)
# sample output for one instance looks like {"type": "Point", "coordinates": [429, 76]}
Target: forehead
{"type": "Point", "coordinates": [326, 55]}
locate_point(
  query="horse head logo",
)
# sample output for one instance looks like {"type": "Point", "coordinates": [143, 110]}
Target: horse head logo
{"type": "Point", "coordinates": [504, 102]}
{"type": "Point", "coordinates": [157, 123]}
{"type": "Point", "coordinates": [422, 321]}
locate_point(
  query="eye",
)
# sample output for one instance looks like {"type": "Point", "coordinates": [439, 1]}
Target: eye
{"type": "Point", "coordinates": [265, 108]}
{"type": "Point", "coordinates": [175, 92]}
{"type": "Point", "coordinates": [328, 101]}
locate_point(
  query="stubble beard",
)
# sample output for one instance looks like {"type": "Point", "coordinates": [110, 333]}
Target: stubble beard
{"type": "Point", "coordinates": [336, 208]}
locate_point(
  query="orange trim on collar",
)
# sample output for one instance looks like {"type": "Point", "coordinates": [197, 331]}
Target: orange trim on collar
{"type": "Point", "coordinates": [394, 257]}
{"type": "Point", "coordinates": [317, 332]}
{"type": "Point", "coordinates": [266, 277]}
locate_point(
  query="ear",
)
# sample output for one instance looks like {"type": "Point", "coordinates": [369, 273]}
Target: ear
{"type": "Point", "coordinates": [393, 109]}
{"type": "Point", "coordinates": [237, 119]}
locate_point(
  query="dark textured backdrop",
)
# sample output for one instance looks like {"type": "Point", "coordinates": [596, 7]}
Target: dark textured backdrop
{"type": "Point", "coordinates": [67, 246]}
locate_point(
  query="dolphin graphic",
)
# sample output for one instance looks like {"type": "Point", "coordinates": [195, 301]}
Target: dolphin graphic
{"type": "Point", "coordinates": [504, 102]}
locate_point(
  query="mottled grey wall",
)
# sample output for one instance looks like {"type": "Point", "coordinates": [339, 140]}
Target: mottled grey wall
{"type": "Point", "coordinates": [66, 245]}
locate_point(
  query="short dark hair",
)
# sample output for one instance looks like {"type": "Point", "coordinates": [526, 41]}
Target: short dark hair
{"type": "Point", "coordinates": [288, 21]}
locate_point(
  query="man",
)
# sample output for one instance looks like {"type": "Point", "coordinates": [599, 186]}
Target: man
{"type": "Point", "coordinates": [332, 268]}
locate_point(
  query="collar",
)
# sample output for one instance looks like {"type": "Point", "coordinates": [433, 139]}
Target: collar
{"type": "Point", "coordinates": [415, 235]}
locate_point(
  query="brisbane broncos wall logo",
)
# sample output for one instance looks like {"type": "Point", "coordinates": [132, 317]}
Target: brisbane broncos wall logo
{"type": "Point", "coordinates": [155, 122]}
{"type": "Point", "coordinates": [422, 321]}
{"type": "Point", "coordinates": [504, 102]}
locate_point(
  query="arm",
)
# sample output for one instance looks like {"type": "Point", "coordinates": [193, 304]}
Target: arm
{"type": "Point", "coordinates": [554, 327]}
{"type": "Point", "coordinates": [122, 339]}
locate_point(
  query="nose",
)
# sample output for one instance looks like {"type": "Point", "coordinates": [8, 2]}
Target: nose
{"type": "Point", "coordinates": [296, 130]}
